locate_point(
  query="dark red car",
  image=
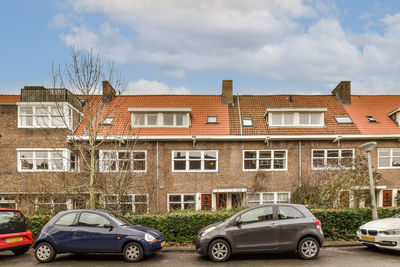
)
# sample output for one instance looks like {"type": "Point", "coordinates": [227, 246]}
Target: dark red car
{"type": "Point", "coordinates": [14, 231]}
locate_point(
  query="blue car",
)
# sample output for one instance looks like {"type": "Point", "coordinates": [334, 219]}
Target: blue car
{"type": "Point", "coordinates": [95, 231]}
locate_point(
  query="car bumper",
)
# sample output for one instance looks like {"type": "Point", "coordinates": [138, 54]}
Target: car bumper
{"type": "Point", "coordinates": [380, 240]}
{"type": "Point", "coordinates": [7, 242]}
{"type": "Point", "coordinates": [154, 247]}
{"type": "Point", "coordinates": [201, 243]}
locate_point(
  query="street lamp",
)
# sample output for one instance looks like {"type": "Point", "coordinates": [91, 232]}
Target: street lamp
{"type": "Point", "coordinates": [367, 147]}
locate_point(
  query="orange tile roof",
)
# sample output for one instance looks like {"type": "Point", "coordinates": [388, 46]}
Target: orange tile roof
{"type": "Point", "coordinates": [201, 105]}
{"type": "Point", "coordinates": [255, 106]}
{"type": "Point", "coordinates": [9, 99]}
{"type": "Point", "coordinates": [378, 106]}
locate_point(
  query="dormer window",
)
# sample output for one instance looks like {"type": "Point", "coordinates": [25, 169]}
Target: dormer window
{"type": "Point", "coordinates": [395, 116]}
{"type": "Point", "coordinates": [295, 117]}
{"type": "Point", "coordinates": [247, 122]}
{"type": "Point", "coordinates": [212, 120]}
{"type": "Point", "coordinates": [160, 117]}
{"type": "Point", "coordinates": [107, 120]}
{"type": "Point", "coordinates": [371, 118]}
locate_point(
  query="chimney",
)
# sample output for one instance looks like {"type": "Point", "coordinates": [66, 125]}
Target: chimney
{"type": "Point", "coordinates": [108, 92]}
{"type": "Point", "coordinates": [343, 92]}
{"type": "Point", "coordinates": [227, 94]}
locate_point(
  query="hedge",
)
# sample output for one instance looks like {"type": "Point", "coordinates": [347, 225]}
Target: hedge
{"type": "Point", "coordinates": [182, 227]}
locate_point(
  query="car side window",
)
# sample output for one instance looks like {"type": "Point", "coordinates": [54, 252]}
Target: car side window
{"type": "Point", "coordinates": [89, 219]}
{"type": "Point", "coordinates": [67, 219]}
{"type": "Point", "coordinates": [286, 212]}
{"type": "Point", "coordinates": [258, 215]}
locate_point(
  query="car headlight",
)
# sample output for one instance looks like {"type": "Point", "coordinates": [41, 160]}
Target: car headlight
{"type": "Point", "coordinates": [391, 232]}
{"type": "Point", "coordinates": [207, 231]}
{"type": "Point", "coordinates": [149, 238]}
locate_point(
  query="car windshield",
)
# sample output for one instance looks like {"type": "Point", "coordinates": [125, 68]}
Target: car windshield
{"type": "Point", "coordinates": [11, 222]}
{"type": "Point", "coordinates": [121, 220]}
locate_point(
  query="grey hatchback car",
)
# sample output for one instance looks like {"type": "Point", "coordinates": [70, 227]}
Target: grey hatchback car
{"type": "Point", "coordinates": [265, 228]}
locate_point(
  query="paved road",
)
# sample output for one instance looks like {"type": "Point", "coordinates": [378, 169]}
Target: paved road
{"type": "Point", "coordinates": [339, 256]}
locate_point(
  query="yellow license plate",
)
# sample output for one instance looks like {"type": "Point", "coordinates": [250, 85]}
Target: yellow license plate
{"type": "Point", "coordinates": [14, 239]}
{"type": "Point", "coordinates": [368, 238]}
{"type": "Point", "coordinates": [163, 243]}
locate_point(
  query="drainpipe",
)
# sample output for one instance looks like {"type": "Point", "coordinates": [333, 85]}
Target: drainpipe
{"type": "Point", "coordinates": [300, 162]}
{"type": "Point", "coordinates": [240, 116]}
{"type": "Point", "coordinates": [157, 179]}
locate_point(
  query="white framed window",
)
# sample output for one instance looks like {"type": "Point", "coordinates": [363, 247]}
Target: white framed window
{"type": "Point", "coordinates": [195, 161]}
{"type": "Point", "coordinates": [212, 119]}
{"type": "Point", "coordinates": [181, 202]}
{"type": "Point", "coordinates": [8, 202]}
{"type": "Point", "coordinates": [160, 120]}
{"type": "Point", "coordinates": [388, 158]}
{"type": "Point", "coordinates": [44, 160]}
{"type": "Point", "coordinates": [266, 160]}
{"type": "Point", "coordinates": [107, 121]}
{"type": "Point", "coordinates": [127, 203]}
{"type": "Point", "coordinates": [331, 159]}
{"type": "Point", "coordinates": [295, 117]}
{"type": "Point", "coordinates": [247, 122]}
{"type": "Point", "coordinates": [45, 115]}
{"type": "Point", "coordinates": [45, 204]}
{"type": "Point", "coordinates": [123, 161]}
{"type": "Point", "coordinates": [343, 120]}
{"type": "Point", "coordinates": [259, 198]}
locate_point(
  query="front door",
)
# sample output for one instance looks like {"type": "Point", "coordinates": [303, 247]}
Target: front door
{"type": "Point", "coordinates": [258, 230]}
{"type": "Point", "coordinates": [387, 198]}
{"type": "Point", "coordinates": [206, 201]}
{"type": "Point", "coordinates": [221, 201]}
{"type": "Point", "coordinates": [91, 235]}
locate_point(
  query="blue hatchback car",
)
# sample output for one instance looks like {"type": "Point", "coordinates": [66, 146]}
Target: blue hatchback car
{"type": "Point", "coordinates": [95, 231]}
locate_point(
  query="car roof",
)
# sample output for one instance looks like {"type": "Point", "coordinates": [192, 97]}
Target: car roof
{"type": "Point", "coordinates": [90, 210]}
{"type": "Point", "coordinates": [5, 209]}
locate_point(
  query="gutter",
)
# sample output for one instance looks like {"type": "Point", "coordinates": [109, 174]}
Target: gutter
{"type": "Point", "coordinates": [238, 137]}
{"type": "Point", "coordinates": [240, 116]}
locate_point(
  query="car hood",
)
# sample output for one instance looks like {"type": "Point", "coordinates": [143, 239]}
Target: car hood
{"type": "Point", "coordinates": [144, 229]}
{"type": "Point", "coordinates": [211, 225]}
{"type": "Point", "coordinates": [383, 224]}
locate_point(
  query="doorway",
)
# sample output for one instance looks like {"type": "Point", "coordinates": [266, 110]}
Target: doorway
{"type": "Point", "coordinates": [206, 201]}
{"type": "Point", "coordinates": [387, 198]}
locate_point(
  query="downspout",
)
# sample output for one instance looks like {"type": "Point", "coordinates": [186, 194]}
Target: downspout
{"type": "Point", "coordinates": [300, 162]}
{"type": "Point", "coordinates": [240, 115]}
{"type": "Point", "coordinates": [157, 179]}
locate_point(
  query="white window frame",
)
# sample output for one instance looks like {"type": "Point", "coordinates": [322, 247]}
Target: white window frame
{"type": "Point", "coordinates": [160, 120]}
{"type": "Point", "coordinates": [257, 159]}
{"type": "Point", "coordinates": [210, 119]}
{"type": "Point", "coordinates": [390, 158]}
{"type": "Point", "coordinates": [182, 202]}
{"type": "Point", "coordinates": [65, 155]}
{"type": "Point", "coordinates": [248, 122]}
{"type": "Point", "coordinates": [133, 203]}
{"type": "Point", "coordinates": [107, 120]}
{"type": "Point", "coordinates": [68, 203]}
{"type": "Point", "coordinates": [296, 117]}
{"type": "Point", "coordinates": [326, 167]}
{"type": "Point", "coordinates": [187, 160]}
{"type": "Point", "coordinates": [343, 120]}
{"type": "Point", "coordinates": [4, 200]}
{"type": "Point", "coordinates": [261, 197]}
{"type": "Point", "coordinates": [132, 160]}
{"type": "Point", "coordinates": [65, 111]}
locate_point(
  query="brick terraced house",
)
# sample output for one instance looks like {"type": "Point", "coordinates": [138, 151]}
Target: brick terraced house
{"type": "Point", "coordinates": [157, 153]}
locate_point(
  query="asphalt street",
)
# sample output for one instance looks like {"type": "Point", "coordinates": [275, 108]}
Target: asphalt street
{"type": "Point", "coordinates": [335, 256]}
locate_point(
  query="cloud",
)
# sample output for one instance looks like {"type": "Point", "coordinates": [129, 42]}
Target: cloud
{"type": "Point", "coordinates": [296, 41]}
{"type": "Point", "coordinates": [145, 87]}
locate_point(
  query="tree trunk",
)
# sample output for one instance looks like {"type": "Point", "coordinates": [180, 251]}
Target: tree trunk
{"type": "Point", "coordinates": [92, 202]}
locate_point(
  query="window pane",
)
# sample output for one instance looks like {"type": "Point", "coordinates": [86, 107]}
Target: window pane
{"type": "Point", "coordinates": [26, 120]}
{"type": "Point", "coordinates": [253, 197]}
{"type": "Point", "coordinates": [279, 154]}
{"type": "Point", "coordinates": [42, 121]}
{"type": "Point", "coordinates": [92, 220]}
{"type": "Point", "coordinates": [42, 164]}
{"type": "Point", "coordinates": [258, 214]}
{"type": "Point", "coordinates": [139, 155]}
{"type": "Point", "coordinates": [265, 164]}
{"type": "Point", "coordinates": [276, 118]}
{"type": "Point", "coordinates": [27, 164]}
{"type": "Point", "coordinates": [139, 119]}
{"type": "Point", "coordinates": [140, 198]}
{"type": "Point", "coordinates": [42, 111]}
{"type": "Point", "coordinates": [333, 153]}
{"type": "Point", "coordinates": [286, 212]}
{"type": "Point", "coordinates": [26, 110]}
{"type": "Point", "coordinates": [268, 198]}
{"type": "Point", "coordinates": [194, 155]}
{"type": "Point", "coordinates": [210, 165]}
{"type": "Point", "coordinates": [250, 154]}
{"type": "Point", "coordinates": [332, 162]}
{"type": "Point", "coordinates": [248, 122]}
{"type": "Point", "coordinates": [180, 119]}
{"type": "Point", "coordinates": [279, 163]}
{"type": "Point", "coordinates": [67, 220]}
{"type": "Point", "coordinates": [384, 152]}
{"type": "Point", "coordinates": [41, 155]}
{"type": "Point", "coordinates": [139, 165]}
{"type": "Point", "coordinates": [304, 118]}
{"type": "Point", "coordinates": [210, 155]}
{"type": "Point", "coordinates": [124, 165]}
{"type": "Point", "coordinates": [318, 163]}
{"type": "Point", "coordinates": [250, 164]}
{"type": "Point", "coordinates": [56, 155]}
{"type": "Point", "coordinates": [288, 118]}
{"type": "Point", "coordinates": [126, 198]}
{"type": "Point", "coordinates": [188, 198]}
{"type": "Point", "coordinates": [179, 165]}
{"type": "Point", "coordinates": [140, 209]}
{"type": "Point", "coordinates": [174, 198]}
{"type": "Point", "coordinates": [396, 161]}
{"type": "Point", "coordinates": [315, 118]}
{"type": "Point", "coordinates": [189, 206]}
{"type": "Point", "coordinates": [57, 164]}
{"type": "Point", "coordinates": [26, 154]}
{"type": "Point", "coordinates": [347, 153]}
{"type": "Point", "coordinates": [58, 121]}
{"type": "Point", "coordinates": [151, 119]}
{"type": "Point", "coordinates": [194, 165]}
{"type": "Point", "coordinates": [265, 154]}
{"type": "Point", "coordinates": [174, 206]}
{"type": "Point", "coordinates": [123, 155]}
{"type": "Point", "coordinates": [283, 198]}
{"type": "Point", "coordinates": [179, 155]}
{"type": "Point", "coordinates": [56, 111]}
{"type": "Point", "coordinates": [168, 119]}
{"type": "Point", "coordinates": [396, 152]}
{"type": "Point", "coordinates": [319, 153]}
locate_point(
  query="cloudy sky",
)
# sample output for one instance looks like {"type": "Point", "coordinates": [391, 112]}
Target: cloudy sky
{"type": "Point", "coordinates": [182, 46]}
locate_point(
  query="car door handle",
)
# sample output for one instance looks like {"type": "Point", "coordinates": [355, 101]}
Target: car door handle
{"type": "Point", "coordinates": [274, 225]}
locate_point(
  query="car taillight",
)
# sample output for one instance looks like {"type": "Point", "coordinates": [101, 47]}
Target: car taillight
{"type": "Point", "coordinates": [318, 222]}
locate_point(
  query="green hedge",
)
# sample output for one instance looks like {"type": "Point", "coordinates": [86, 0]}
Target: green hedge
{"type": "Point", "coordinates": [182, 227]}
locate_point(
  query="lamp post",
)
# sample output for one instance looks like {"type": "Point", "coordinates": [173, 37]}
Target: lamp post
{"type": "Point", "coordinates": [367, 147]}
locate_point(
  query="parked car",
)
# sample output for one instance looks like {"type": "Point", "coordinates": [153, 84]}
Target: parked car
{"type": "Point", "coordinates": [14, 231]}
{"type": "Point", "coordinates": [384, 233]}
{"type": "Point", "coordinates": [265, 228]}
{"type": "Point", "coordinates": [95, 231]}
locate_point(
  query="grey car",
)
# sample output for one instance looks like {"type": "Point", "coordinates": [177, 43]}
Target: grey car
{"type": "Point", "coordinates": [265, 228]}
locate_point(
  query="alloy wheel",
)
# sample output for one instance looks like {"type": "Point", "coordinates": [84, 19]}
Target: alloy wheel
{"type": "Point", "coordinates": [309, 248]}
{"type": "Point", "coordinates": [132, 252]}
{"type": "Point", "coordinates": [219, 251]}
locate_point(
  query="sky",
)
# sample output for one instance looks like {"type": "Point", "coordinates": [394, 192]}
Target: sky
{"type": "Point", "coordinates": [189, 47]}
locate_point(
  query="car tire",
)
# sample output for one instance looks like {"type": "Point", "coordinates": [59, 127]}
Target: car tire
{"type": "Point", "coordinates": [219, 250]}
{"type": "Point", "coordinates": [20, 251]}
{"type": "Point", "coordinates": [133, 252]}
{"type": "Point", "coordinates": [308, 248]}
{"type": "Point", "coordinates": [44, 252]}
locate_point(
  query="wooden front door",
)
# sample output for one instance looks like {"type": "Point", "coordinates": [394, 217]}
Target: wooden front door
{"type": "Point", "coordinates": [206, 201]}
{"type": "Point", "coordinates": [387, 198]}
{"type": "Point", "coordinates": [221, 201]}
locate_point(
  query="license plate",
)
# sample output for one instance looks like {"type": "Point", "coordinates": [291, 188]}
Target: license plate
{"type": "Point", "coordinates": [368, 238]}
{"type": "Point", "coordinates": [163, 243]}
{"type": "Point", "coordinates": [14, 239]}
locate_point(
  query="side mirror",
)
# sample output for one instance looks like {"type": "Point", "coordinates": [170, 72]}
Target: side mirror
{"type": "Point", "coordinates": [108, 225]}
{"type": "Point", "coordinates": [238, 221]}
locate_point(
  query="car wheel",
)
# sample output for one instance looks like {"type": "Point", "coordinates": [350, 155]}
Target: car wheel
{"type": "Point", "coordinates": [219, 250]}
{"type": "Point", "coordinates": [44, 252]}
{"type": "Point", "coordinates": [308, 248]}
{"type": "Point", "coordinates": [20, 251]}
{"type": "Point", "coordinates": [133, 252]}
